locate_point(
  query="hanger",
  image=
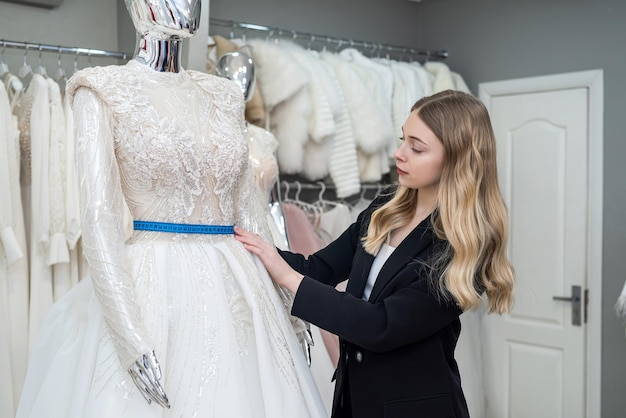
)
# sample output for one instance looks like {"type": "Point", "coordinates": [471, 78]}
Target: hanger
{"type": "Point", "coordinates": [299, 190]}
{"type": "Point", "coordinates": [320, 197]}
{"type": "Point", "coordinates": [338, 47]}
{"type": "Point", "coordinates": [310, 209]}
{"type": "Point", "coordinates": [25, 73]}
{"type": "Point", "coordinates": [60, 71]}
{"type": "Point", "coordinates": [356, 202]}
{"type": "Point", "coordinates": [363, 190]}
{"type": "Point", "coordinates": [296, 198]}
{"type": "Point", "coordinates": [311, 40]}
{"type": "Point", "coordinates": [15, 86]}
{"type": "Point", "coordinates": [75, 68]}
{"type": "Point", "coordinates": [59, 74]}
{"type": "Point", "coordinates": [40, 69]}
{"type": "Point", "coordinates": [4, 68]}
{"type": "Point", "coordinates": [323, 204]}
{"type": "Point", "coordinates": [286, 195]}
{"type": "Point", "coordinates": [279, 37]}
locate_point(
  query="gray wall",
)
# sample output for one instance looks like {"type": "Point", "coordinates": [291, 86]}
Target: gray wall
{"type": "Point", "coordinates": [491, 40]}
{"type": "Point", "coordinates": [76, 23]}
{"type": "Point", "coordinates": [126, 34]}
{"type": "Point", "coordinates": [386, 21]}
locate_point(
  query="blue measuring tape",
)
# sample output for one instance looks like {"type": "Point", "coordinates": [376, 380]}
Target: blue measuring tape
{"type": "Point", "coordinates": [184, 228]}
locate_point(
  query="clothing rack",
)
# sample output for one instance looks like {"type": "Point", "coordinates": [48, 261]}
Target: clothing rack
{"type": "Point", "coordinates": [320, 185]}
{"type": "Point", "coordinates": [89, 52]}
{"type": "Point", "coordinates": [320, 190]}
{"type": "Point", "coordinates": [373, 47]}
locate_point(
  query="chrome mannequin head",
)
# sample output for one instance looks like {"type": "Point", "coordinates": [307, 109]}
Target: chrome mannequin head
{"type": "Point", "coordinates": [238, 67]}
{"type": "Point", "coordinates": [161, 25]}
{"type": "Point", "coordinates": [164, 19]}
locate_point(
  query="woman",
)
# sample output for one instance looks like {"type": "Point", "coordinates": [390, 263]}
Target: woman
{"type": "Point", "coordinates": [416, 258]}
{"type": "Point", "coordinates": [176, 318]}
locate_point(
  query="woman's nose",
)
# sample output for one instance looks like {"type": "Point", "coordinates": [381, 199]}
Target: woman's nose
{"type": "Point", "coordinates": [398, 154]}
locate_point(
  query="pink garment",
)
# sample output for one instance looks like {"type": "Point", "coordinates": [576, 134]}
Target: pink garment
{"type": "Point", "coordinates": [303, 239]}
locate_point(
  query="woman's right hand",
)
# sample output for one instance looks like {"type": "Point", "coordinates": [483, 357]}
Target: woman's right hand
{"type": "Point", "coordinates": [278, 269]}
{"type": "Point", "coordinates": [146, 374]}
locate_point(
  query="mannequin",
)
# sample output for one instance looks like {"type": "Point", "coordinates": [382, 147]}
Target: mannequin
{"type": "Point", "coordinates": [160, 36]}
{"type": "Point", "coordinates": [175, 319]}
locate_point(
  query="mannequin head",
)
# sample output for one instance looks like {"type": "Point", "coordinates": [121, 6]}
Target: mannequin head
{"type": "Point", "coordinates": [238, 67]}
{"type": "Point", "coordinates": [165, 18]}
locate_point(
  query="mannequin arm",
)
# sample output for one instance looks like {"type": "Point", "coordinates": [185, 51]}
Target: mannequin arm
{"type": "Point", "coordinates": [106, 223]}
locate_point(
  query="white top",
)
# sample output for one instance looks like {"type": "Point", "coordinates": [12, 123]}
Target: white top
{"type": "Point", "coordinates": [383, 254]}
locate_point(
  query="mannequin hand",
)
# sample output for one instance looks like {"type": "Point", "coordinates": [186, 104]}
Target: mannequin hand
{"type": "Point", "coordinates": [277, 268]}
{"type": "Point", "coordinates": [146, 374]}
{"type": "Point", "coordinates": [300, 327]}
{"type": "Point", "coordinates": [306, 342]}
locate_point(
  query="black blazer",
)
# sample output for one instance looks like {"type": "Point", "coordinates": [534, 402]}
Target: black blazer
{"type": "Point", "coordinates": [397, 348]}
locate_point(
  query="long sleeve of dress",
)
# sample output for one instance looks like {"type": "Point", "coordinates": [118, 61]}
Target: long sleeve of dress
{"type": "Point", "coordinates": [250, 209]}
{"type": "Point", "coordinates": [72, 199]}
{"type": "Point", "coordinates": [104, 219]}
{"type": "Point", "coordinates": [7, 236]}
{"type": "Point", "coordinates": [57, 249]}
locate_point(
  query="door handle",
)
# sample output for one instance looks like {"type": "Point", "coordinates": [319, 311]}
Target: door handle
{"type": "Point", "coordinates": [576, 300]}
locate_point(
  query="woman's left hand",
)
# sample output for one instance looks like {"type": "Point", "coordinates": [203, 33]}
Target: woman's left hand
{"type": "Point", "coordinates": [278, 269]}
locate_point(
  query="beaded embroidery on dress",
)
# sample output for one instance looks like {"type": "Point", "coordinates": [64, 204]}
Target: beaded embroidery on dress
{"type": "Point", "coordinates": [167, 147]}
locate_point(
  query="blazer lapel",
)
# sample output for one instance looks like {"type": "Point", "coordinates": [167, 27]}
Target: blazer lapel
{"type": "Point", "coordinates": [418, 239]}
{"type": "Point", "coordinates": [358, 278]}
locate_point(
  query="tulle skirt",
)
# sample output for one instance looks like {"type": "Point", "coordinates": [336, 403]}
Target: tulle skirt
{"type": "Point", "coordinates": [221, 334]}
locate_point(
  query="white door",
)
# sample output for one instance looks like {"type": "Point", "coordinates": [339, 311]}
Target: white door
{"type": "Point", "coordinates": [535, 358]}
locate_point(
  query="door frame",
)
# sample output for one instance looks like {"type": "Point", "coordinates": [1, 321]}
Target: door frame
{"type": "Point", "coordinates": [593, 80]}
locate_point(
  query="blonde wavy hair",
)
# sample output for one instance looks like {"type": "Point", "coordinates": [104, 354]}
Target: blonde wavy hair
{"type": "Point", "coordinates": [471, 216]}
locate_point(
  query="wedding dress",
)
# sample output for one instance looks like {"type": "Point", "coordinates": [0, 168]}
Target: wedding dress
{"type": "Point", "coordinates": [167, 147]}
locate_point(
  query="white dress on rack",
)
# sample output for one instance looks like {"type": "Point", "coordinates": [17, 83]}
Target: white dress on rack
{"type": "Point", "coordinates": [58, 253]}
{"type": "Point", "coordinates": [33, 112]}
{"type": "Point", "coordinates": [166, 147]}
{"type": "Point", "coordinates": [6, 229]}
{"type": "Point", "coordinates": [14, 273]}
{"type": "Point", "coordinates": [10, 252]}
{"type": "Point", "coordinates": [72, 199]}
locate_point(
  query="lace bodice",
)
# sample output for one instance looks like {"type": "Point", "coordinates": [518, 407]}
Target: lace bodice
{"type": "Point", "coordinates": [178, 139]}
